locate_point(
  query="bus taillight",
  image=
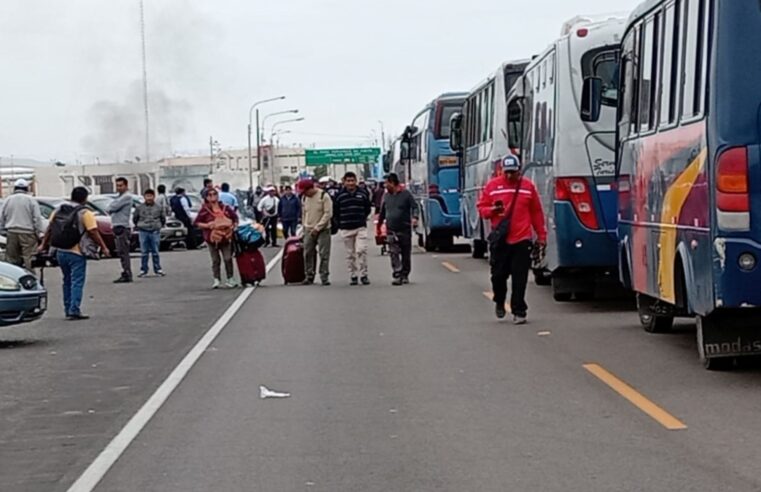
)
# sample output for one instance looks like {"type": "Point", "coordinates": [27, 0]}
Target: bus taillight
{"type": "Point", "coordinates": [576, 191]}
{"type": "Point", "coordinates": [732, 200]}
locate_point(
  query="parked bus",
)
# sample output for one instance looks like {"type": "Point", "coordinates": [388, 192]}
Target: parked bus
{"type": "Point", "coordinates": [571, 161]}
{"type": "Point", "coordinates": [689, 169]}
{"type": "Point", "coordinates": [480, 136]}
{"type": "Point", "coordinates": [431, 172]}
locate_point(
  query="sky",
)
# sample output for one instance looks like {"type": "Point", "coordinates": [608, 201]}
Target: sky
{"type": "Point", "coordinates": [71, 77]}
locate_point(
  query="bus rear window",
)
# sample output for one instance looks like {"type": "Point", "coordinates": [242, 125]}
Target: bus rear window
{"type": "Point", "coordinates": [444, 116]}
{"type": "Point", "coordinates": [603, 63]}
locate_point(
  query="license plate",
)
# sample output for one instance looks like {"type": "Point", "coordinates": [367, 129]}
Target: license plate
{"type": "Point", "coordinates": [43, 303]}
{"type": "Point", "coordinates": [178, 233]}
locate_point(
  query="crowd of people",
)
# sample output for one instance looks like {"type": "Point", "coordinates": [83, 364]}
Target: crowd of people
{"type": "Point", "coordinates": [322, 209]}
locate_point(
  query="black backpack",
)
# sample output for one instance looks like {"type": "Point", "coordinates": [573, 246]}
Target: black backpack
{"type": "Point", "coordinates": [64, 230]}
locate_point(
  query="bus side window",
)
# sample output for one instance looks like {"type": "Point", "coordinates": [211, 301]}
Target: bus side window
{"type": "Point", "coordinates": [670, 67]}
{"type": "Point", "coordinates": [692, 54]}
{"type": "Point", "coordinates": [515, 126]}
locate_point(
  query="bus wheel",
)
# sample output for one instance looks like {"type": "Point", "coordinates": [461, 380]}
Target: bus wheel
{"type": "Point", "coordinates": [585, 296]}
{"type": "Point", "coordinates": [650, 320]}
{"type": "Point", "coordinates": [708, 324]}
{"type": "Point", "coordinates": [479, 249]}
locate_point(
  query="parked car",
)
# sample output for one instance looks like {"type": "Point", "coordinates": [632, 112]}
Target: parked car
{"type": "Point", "coordinates": [22, 297]}
{"type": "Point", "coordinates": [172, 233]}
{"type": "Point", "coordinates": [48, 205]}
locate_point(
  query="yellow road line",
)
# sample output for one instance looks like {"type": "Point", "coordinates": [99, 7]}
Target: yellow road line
{"type": "Point", "coordinates": [636, 398]}
{"type": "Point", "coordinates": [450, 267]}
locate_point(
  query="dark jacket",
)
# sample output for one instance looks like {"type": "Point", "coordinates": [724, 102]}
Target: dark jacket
{"type": "Point", "coordinates": [289, 209]}
{"type": "Point", "coordinates": [398, 210]}
{"type": "Point", "coordinates": [149, 217]}
{"type": "Point", "coordinates": [351, 209]}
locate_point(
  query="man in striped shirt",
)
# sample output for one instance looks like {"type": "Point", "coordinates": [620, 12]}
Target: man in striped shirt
{"type": "Point", "coordinates": [351, 208]}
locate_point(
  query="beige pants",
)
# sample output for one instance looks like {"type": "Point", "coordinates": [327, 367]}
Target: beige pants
{"type": "Point", "coordinates": [356, 251]}
{"type": "Point", "coordinates": [20, 248]}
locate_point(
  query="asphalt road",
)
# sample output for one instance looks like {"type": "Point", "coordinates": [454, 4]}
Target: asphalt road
{"type": "Point", "coordinates": [67, 388]}
{"type": "Point", "coordinates": [419, 388]}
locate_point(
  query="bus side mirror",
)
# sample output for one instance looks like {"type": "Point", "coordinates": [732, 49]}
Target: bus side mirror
{"type": "Point", "coordinates": [591, 99]}
{"type": "Point", "coordinates": [455, 133]}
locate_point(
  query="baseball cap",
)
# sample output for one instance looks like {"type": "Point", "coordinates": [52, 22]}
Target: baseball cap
{"type": "Point", "coordinates": [511, 163]}
{"type": "Point", "coordinates": [21, 183]}
{"type": "Point", "coordinates": [324, 179]}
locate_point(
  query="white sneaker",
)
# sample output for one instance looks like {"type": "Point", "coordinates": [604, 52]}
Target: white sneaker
{"type": "Point", "coordinates": [231, 283]}
{"type": "Point", "coordinates": [519, 320]}
{"type": "Point", "coordinates": [216, 283]}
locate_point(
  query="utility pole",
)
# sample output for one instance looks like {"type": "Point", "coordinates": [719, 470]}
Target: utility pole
{"type": "Point", "coordinates": [145, 85]}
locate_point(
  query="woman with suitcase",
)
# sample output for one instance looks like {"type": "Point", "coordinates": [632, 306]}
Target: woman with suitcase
{"type": "Point", "coordinates": [217, 221]}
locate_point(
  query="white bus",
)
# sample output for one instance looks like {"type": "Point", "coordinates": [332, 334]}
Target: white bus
{"type": "Point", "coordinates": [479, 134]}
{"type": "Point", "coordinates": [571, 161]}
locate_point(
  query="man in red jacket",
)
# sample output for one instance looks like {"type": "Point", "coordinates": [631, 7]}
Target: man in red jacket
{"type": "Point", "coordinates": [512, 204]}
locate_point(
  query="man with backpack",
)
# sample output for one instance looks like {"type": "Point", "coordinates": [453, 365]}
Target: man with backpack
{"type": "Point", "coordinates": [316, 213]}
{"type": "Point", "coordinates": [180, 204]}
{"type": "Point", "coordinates": [268, 207]}
{"type": "Point", "coordinates": [73, 232]}
{"type": "Point", "coordinates": [351, 208]}
{"type": "Point", "coordinates": [512, 204]}
{"type": "Point", "coordinates": [121, 221]}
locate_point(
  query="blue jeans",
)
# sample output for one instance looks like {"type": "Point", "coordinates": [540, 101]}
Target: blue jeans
{"type": "Point", "coordinates": [289, 228]}
{"type": "Point", "coordinates": [74, 269]}
{"type": "Point", "coordinates": [149, 245]}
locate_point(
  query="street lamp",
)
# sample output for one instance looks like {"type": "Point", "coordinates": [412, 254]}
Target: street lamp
{"type": "Point", "coordinates": [264, 120]}
{"type": "Point", "coordinates": [258, 159]}
{"type": "Point", "coordinates": [275, 125]}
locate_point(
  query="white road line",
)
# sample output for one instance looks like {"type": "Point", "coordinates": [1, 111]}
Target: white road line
{"type": "Point", "coordinates": [106, 459]}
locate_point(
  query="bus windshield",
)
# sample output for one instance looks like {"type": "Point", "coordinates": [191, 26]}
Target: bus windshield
{"type": "Point", "coordinates": [603, 63]}
{"type": "Point", "coordinates": [444, 116]}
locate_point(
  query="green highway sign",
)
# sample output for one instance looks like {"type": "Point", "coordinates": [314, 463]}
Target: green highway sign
{"type": "Point", "coordinates": [359, 155]}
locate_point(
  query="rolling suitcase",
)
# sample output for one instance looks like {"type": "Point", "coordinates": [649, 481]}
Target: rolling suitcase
{"type": "Point", "coordinates": [293, 261]}
{"type": "Point", "coordinates": [251, 266]}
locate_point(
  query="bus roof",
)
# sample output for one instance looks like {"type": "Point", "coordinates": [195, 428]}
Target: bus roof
{"type": "Point", "coordinates": [589, 21]}
{"type": "Point", "coordinates": [451, 95]}
{"type": "Point", "coordinates": [642, 9]}
{"type": "Point", "coordinates": [500, 71]}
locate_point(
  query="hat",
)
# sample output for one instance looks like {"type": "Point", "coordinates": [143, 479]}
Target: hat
{"type": "Point", "coordinates": [304, 185]}
{"type": "Point", "coordinates": [324, 179]}
{"type": "Point", "coordinates": [21, 183]}
{"type": "Point", "coordinates": [269, 188]}
{"type": "Point", "coordinates": [511, 163]}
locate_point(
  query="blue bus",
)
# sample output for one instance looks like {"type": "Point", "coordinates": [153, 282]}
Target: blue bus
{"type": "Point", "coordinates": [430, 171]}
{"type": "Point", "coordinates": [689, 169]}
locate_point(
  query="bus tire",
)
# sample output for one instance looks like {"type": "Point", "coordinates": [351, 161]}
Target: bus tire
{"type": "Point", "coordinates": [479, 249]}
{"type": "Point", "coordinates": [558, 294]}
{"type": "Point", "coordinates": [650, 321]}
{"type": "Point", "coordinates": [709, 323]}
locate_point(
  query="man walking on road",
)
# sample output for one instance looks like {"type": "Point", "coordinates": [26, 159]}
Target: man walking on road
{"type": "Point", "coordinates": [268, 209]}
{"type": "Point", "coordinates": [149, 218]}
{"type": "Point", "coordinates": [21, 221]}
{"type": "Point", "coordinates": [513, 206]}
{"type": "Point", "coordinates": [289, 211]}
{"type": "Point", "coordinates": [351, 208]}
{"type": "Point", "coordinates": [121, 221]}
{"type": "Point", "coordinates": [180, 204]}
{"type": "Point", "coordinates": [73, 231]}
{"type": "Point", "coordinates": [400, 213]}
{"type": "Point", "coordinates": [316, 212]}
